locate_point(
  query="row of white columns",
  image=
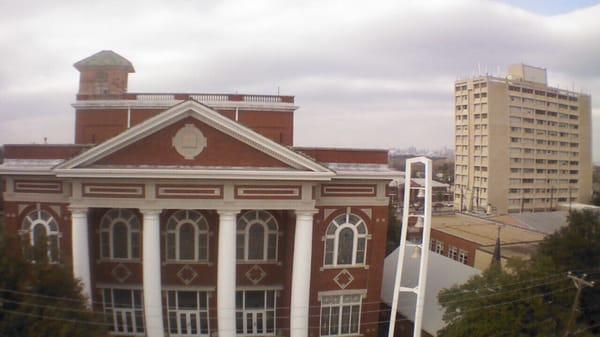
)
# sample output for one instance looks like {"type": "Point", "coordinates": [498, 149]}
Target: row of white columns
{"type": "Point", "coordinates": [226, 269]}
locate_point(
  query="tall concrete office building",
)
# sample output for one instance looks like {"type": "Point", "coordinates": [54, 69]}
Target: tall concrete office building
{"type": "Point", "coordinates": [521, 145]}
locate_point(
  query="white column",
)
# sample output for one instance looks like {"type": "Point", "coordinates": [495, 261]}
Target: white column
{"type": "Point", "coordinates": [152, 283]}
{"type": "Point", "coordinates": [81, 250]}
{"type": "Point", "coordinates": [300, 303]}
{"type": "Point", "coordinates": [226, 274]}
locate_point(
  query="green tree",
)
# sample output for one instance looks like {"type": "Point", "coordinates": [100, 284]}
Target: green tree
{"type": "Point", "coordinates": [534, 297]}
{"type": "Point", "coordinates": [41, 298]}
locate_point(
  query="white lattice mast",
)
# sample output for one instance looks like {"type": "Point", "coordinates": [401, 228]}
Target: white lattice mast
{"type": "Point", "coordinates": [424, 220]}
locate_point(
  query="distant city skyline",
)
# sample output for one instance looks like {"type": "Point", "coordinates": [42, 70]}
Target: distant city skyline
{"type": "Point", "coordinates": [388, 68]}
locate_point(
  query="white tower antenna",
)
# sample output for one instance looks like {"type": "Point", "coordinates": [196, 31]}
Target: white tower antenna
{"type": "Point", "coordinates": [423, 219]}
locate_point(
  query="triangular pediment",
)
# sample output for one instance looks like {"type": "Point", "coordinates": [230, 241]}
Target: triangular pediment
{"type": "Point", "coordinates": [191, 136]}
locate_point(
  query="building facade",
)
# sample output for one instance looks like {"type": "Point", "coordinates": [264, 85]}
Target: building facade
{"type": "Point", "coordinates": [520, 145]}
{"type": "Point", "coordinates": [194, 215]}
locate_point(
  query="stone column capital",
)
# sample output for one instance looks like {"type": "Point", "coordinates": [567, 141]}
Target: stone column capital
{"type": "Point", "coordinates": [228, 212]}
{"type": "Point", "coordinates": [150, 211]}
{"type": "Point", "coordinates": [78, 211]}
{"type": "Point", "coordinates": [302, 213]}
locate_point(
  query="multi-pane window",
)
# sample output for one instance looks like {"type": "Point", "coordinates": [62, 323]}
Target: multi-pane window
{"type": "Point", "coordinates": [340, 314]}
{"type": "Point", "coordinates": [124, 311]}
{"type": "Point", "coordinates": [257, 235]}
{"type": "Point", "coordinates": [463, 256]}
{"type": "Point", "coordinates": [255, 312]}
{"type": "Point", "coordinates": [187, 236]}
{"type": "Point", "coordinates": [120, 235]}
{"type": "Point", "coordinates": [188, 313]}
{"type": "Point", "coordinates": [346, 241]}
{"type": "Point", "coordinates": [42, 228]}
{"type": "Point", "coordinates": [437, 246]}
{"type": "Point", "coordinates": [453, 252]}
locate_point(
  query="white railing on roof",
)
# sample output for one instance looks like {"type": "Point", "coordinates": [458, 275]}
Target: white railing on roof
{"type": "Point", "coordinates": [210, 98]}
{"type": "Point", "coordinates": [155, 97]}
{"type": "Point", "coordinates": [264, 99]}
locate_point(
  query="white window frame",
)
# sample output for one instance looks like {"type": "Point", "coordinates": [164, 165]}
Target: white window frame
{"type": "Point", "coordinates": [245, 222]}
{"type": "Point", "coordinates": [135, 312]}
{"type": "Point", "coordinates": [112, 217]}
{"type": "Point", "coordinates": [200, 228]}
{"type": "Point", "coordinates": [453, 252]}
{"type": "Point", "coordinates": [243, 311]}
{"type": "Point", "coordinates": [341, 222]}
{"type": "Point", "coordinates": [202, 314]}
{"type": "Point", "coordinates": [338, 302]}
{"type": "Point", "coordinates": [463, 256]}
{"type": "Point", "coordinates": [36, 218]}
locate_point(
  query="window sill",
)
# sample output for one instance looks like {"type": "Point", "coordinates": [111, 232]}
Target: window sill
{"type": "Point", "coordinates": [258, 262]}
{"type": "Point", "coordinates": [110, 260]}
{"type": "Point", "coordinates": [349, 266]}
{"type": "Point", "coordinates": [190, 262]}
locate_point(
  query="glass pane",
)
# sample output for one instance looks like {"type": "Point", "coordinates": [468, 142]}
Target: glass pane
{"type": "Point", "coordinates": [256, 242]}
{"type": "Point", "coordinates": [255, 299]}
{"type": "Point", "coordinates": [239, 299]}
{"type": "Point", "coordinates": [345, 328]}
{"type": "Point", "coordinates": [353, 219]}
{"type": "Point", "coordinates": [249, 323]}
{"type": "Point", "coordinates": [109, 319]}
{"type": "Point", "coordinates": [239, 322]}
{"type": "Point", "coordinates": [331, 229]}
{"type": "Point", "coordinates": [355, 319]}
{"type": "Point", "coordinates": [107, 298]}
{"type": "Point", "coordinates": [325, 321]}
{"type": "Point", "coordinates": [272, 224]}
{"type": "Point", "coordinates": [187, 300]}
{"type": "Point", "coordinates": [341, 219]}
{"type": "Point", "coordinates": [186, 241]}
{"type": "Point", "coordinates": [345, 246]}
{"type": "Point", "coordinates": [203, 323]}
{"type": "Point", "coordinates": [270, 299]}
{"type": "Point", "coordinates": [120, 240]}
{"type": "Point", "coordinates": [139, 321]}
{"type": "Point", "coordinates": [360, 251]}
{"type": "Point", "coordinates": [137, 298]}
{"type": "Point", "coordinates": [361, 228]}
{"type": "Point", "coordinates": [129, 320]}
{"type": "Point", "coordinates": [329, 243]}
{"type": "Point", "coordinates": [135, 245]}
{"type": "Point", "coordinates": [171, 299]}
{"type": "Point", "coordinates": [171, 246]}
{"type": "Point", "coordinates": [259, 322]}
{"type": "Point", "coordinates": [203, 247]}
{"type": "Point", "coordinates": [270, 321]}
{"type": "Point", "coordinates": [53, 226]}
{"type": "Point", "coordinates": [39, 234]}
{"type": "Point", "coordinates": [183, 323]}
{"type": "Point", "coordinates": [202, 300]}
{"type": "Point", "coordinates": [104, 244]}
{"type": "Point", "coordinates": [173, 322]}
{"type": "Point", "coordinates": [193, 324]}
{"type": "Point", "coordinates": [335, 317]}
{"type": "Point", "coordinates": [120, 326]}
{"type": "Point", "coordinates": [239, 246]}
{"type": "Point", "coordinates": [53, 247]}
{"type": "Point", "coordinates": [122, 298]}
{"type": "Point", "coordinates": [272, 247]}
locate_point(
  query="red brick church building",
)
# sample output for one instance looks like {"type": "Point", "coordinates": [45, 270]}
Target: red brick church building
{"type": "Point", "coordinates": [195, 215]}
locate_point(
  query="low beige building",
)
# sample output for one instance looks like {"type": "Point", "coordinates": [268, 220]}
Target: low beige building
{"type": "Point", "coordinates": [471, 240]}
{"type": "Point", "coordinates": [520, 144]}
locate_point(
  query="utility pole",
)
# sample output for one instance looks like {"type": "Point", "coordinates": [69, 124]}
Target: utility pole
{"type": "Point", "coordinates": [580, 283]}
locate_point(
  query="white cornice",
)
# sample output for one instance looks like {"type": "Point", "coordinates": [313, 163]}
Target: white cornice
{"type": "Point", "coordinates": [165, 104]}
{"type": "Point", "coordinates": [205, 115]}
{"type": "Point", "coordinates": [191, 174]}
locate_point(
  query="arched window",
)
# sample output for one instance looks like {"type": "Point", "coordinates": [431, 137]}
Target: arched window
{"type": "Point", "coordinates": [39, 225]}
{"type": "Point", "coordinates": [257, 236]}
{"type": "Point", "coordinates": [187, 236]}
{"type": "Point", "coordinates": [120, 235]}
{"type": "Point", "coordinates": [346, 241]}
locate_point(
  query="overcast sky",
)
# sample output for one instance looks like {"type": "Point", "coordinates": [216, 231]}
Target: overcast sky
{"type": "Point", "coordinates": [364, 73]}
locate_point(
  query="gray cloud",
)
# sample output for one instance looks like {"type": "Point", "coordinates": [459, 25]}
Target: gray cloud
{"type": "Point", "coordinates": [380, 73]}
